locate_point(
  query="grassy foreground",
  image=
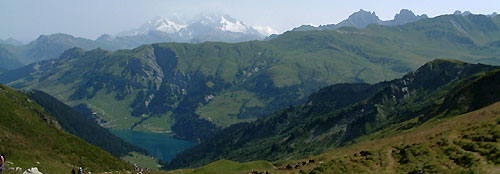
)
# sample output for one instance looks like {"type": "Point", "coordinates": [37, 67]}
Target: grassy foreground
{"type": "Point", "coordinates": [30, 137]}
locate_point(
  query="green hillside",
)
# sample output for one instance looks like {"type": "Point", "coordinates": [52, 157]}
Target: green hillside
{"type": "Point", "coordinates": [83, 127]}
{"type": "Point", "coordinates": [32, 138]}
{"type": "Point", "coordinates": [467, 143]}
{"type": "Point", "coordinates": [194, 90]}
{"type": "Point", "coordinates": [333, 117]}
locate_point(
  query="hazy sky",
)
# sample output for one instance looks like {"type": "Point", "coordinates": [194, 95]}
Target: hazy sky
{"type": "Point", "coordinates": [25, 20]}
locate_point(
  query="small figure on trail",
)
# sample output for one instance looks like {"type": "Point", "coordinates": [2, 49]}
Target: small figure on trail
{"type": "Point", "coordinates": [2, 162]}
{"type": "Point", "coordinates": [80, 171]}
{"type": "Point", "coordinates": [73, 171]}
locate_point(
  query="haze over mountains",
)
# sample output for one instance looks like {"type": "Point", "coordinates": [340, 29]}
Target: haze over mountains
{"type": "Point", "coordinates": [363, 18]}
{"type": "Point", "coordinates": [220, 28]}
{"type": "Point", "coordinates": [11, 41]}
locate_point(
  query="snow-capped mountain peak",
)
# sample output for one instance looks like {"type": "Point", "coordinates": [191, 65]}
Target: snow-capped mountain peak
{"type": "Point", "coordinates": [168, 26]}
{"type": "Point", "coordinates": [236, 26]}
{"type": "Point", "coordinates": [205, 28]}
{"type": "Point", "coordinates": [222, 23]}
{"type": "Point", "coordinates": [158, 24]}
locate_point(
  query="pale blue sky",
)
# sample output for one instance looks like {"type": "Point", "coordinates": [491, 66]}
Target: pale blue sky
{"type": "Point", "coordinates": [27, 19]}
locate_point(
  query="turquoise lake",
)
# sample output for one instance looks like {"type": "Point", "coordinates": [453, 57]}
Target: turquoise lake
{"type": "Point", "coordinates": [160, 146]}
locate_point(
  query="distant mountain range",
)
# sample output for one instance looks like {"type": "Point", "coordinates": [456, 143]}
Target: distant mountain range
{"type": "Point", "coordinates": [220, 28]}
{"type": "Point", "coordinates": [364, 18]}
{"type": "Point", "coordinates": [215, 28]}
{"type": "Point", "coordinates": [200, 88]}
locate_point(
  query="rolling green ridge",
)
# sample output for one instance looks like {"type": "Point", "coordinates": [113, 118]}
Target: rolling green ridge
{"type": "Point", "coordinates": [333, 117]}
{"type": "Point", "coordinates": [30, 137]}
{"type": "Point", "coordinates": [191, 86]}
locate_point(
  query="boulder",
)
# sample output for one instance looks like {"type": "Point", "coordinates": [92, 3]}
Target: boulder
{"type": "Point", "coordinates": [33, 170]}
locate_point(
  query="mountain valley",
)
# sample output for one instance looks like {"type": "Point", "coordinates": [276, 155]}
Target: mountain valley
{"type": "Point", "coordinates": [189, 86]}
{"type": "Point", "coordinates": [413, 94]}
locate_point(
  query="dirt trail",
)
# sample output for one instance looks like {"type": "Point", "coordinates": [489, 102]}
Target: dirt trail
{"type": "Point", "coordinates": [391, 168]}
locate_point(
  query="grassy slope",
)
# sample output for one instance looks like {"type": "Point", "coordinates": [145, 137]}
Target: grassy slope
{"type": "Point", "coordinates": [468, 143]}
{"type": "Point", "coordinates": [64, 78]}
{"type": "Point", "coordinates": [27, 139]}
{"type": "Point", "coordinates": [77, 124]}
{"type": "Point", "coordinates": [142, 160]}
